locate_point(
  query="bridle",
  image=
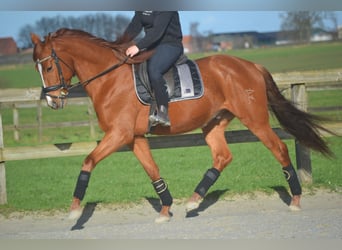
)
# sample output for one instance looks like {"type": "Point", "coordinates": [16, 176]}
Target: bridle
{"type": "Point", "coordinates": [63, 86]}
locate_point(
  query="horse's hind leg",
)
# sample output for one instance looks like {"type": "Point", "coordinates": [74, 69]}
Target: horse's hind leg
{"type": "Point", "coordinates": [214, 136]}
{"type": "Point", "coordinates": [142, 151]}
{"type": "Point", "coordinates": [279, 149]}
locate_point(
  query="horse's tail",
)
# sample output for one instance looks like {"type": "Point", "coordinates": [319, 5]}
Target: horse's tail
{"type": "Point", "coordinates": [302, 125]}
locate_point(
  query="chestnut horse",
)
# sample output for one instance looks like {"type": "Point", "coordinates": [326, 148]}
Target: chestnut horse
{"type": "Point", "coordinates": [233, 87]}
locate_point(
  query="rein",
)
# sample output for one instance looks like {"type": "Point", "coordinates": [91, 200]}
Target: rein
{"type": "Point", "coordinates": [86, 82]}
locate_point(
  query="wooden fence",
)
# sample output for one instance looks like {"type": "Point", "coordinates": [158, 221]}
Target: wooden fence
{"type": "Point", "coordinates": [26, 97]}
{"type": "Point", "coordinates": [16, 99]}
{"type": "Point", "coordinates": [30, 98]}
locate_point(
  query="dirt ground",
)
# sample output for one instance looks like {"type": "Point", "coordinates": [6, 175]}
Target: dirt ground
{"type": "Point", "coordinates": [242, 217]}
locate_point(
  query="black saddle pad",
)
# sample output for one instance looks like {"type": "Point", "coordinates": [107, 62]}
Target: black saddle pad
{"type": "Point", "coordinates": [183, 82]}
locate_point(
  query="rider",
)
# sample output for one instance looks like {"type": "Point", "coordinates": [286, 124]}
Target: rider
{"type": "Point", "coordinates": [163, 34]}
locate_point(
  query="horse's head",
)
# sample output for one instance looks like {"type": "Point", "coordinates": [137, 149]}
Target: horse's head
{"type": "Point", "coordinates": [55, 72]}
{"type": "Point", "coordinates": [56, 65]}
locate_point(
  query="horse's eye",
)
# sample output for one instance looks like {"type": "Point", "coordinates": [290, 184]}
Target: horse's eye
{"type": "Point", "coordinates": [49, 69]}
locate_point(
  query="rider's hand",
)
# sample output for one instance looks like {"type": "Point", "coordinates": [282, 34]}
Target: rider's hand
{"type": "Point", "coordinates": [132, 51]}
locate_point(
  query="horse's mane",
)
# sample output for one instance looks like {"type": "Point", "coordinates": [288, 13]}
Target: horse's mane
{"type": "Point", "coordinates": [119, 46]}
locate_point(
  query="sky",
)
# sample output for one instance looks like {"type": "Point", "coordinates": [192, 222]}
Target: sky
{"type": "Point", "coordinates": [215, 21]}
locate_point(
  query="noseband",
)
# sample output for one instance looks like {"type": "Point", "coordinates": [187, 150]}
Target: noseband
{"type": "Point", "coordinates": [63, 85]}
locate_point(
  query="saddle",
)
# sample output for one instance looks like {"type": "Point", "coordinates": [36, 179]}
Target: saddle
{"type": "Point", "coordinates": [183, 81]}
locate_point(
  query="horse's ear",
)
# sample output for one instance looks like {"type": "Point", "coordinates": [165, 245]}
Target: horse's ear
{"type": "Point", "coordinates": [35, 38]}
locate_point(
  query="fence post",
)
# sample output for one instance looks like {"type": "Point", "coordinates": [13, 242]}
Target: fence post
{"type": "Point", "coordinates": [40, 121]}
{"type": "Point", "coordinates": [16, 122]}
{"type": "Point", "coordinates": [92, 122]}
{"type": "Point", "coordinates": [3, 193]}
{"type": "Point", "coordinates": [303, 160]}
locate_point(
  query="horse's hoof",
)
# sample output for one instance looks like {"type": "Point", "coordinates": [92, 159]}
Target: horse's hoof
{"type": "Point", "coordinates": [75, 214]}
{"type": "Point", "coordinates": [192, 205]}
{"type": "Point", "coordinates": [294, 208]}
{"type": "Point", "coordinates": [162, 219]}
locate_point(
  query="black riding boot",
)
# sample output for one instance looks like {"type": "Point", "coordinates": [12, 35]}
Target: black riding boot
{"type": "Point", "coordinates": [160, 116]}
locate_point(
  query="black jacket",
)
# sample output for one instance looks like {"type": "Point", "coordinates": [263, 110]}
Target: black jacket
{"type": "Point", "coordinates": [159, 26]}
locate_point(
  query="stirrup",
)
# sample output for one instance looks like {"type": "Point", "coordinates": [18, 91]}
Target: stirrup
{"type": "Point", "coordinates": [160, 117]}
{"type": "Point", "coordinates": [156, 119]}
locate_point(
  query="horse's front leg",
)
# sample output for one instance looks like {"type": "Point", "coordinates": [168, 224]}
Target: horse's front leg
{"type": "Point", "coordinates": [110, 143]}
{"type": "Point", "coordinates": [142, 151]}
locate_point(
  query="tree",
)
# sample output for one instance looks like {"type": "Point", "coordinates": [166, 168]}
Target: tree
{"type": "Point", "coordinates": [298, 25]}
{"type": "Point", "coordinates": [332, 21]}
{"type": "Point", "coordinates": [101, 25]}
{"type": "Point", "coordinates": [24, 37]}
{"type": "Point", "coordinates": [199, 42]}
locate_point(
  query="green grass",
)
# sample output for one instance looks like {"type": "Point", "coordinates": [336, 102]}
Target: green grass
{"type": "Point", "coordinates": [326, 98]}
{"type": "Point", "coordinates": [292, 58]}
{"type": "Point", "coordinates": [19, 76]}
{"type": "Point", "coordinates": [29, 136]}
{"type": "Point", "coordinates": [40, 185]}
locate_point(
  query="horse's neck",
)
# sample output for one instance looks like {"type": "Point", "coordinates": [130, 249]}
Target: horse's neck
{"type": "Point", "coordinates": [92, 61]}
